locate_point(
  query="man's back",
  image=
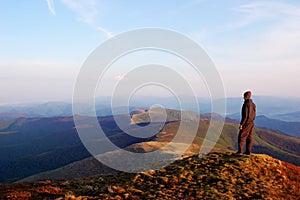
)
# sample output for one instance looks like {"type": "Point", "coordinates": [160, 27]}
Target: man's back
{"type": "Point", "coordinates": [248, 112]}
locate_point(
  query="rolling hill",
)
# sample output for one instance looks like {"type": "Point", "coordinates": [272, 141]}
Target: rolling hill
{"type": "Point", "coordinates": [277, 145]}
{"type": "Point", "coordinates": [48, 145]}
{"type": "Point", "coordinates": [34, 145]}
{"type": "Point", "coordinates": [290, 128]}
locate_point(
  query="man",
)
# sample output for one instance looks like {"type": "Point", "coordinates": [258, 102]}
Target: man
{"type": "Point", "coordinates": [246, 124]}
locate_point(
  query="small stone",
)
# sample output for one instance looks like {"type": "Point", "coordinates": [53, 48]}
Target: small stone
{"type": "Point", "coordinates": [110, 190]}
{"type": "Point", "coordinates": [151, 172]}
{"type": "Point", "coordinates": [136, 191]}
{"type": "Point", "coordinates": [118, 189]}
{"type": "Point", "coordinates": [182, 176]}
{"type": "Point", "coordinates": [100, 179]}
{"type": "Point", "coordinates": [126, 195]}
{"type": "Point", "coordinates": [190, 177]}
{"type": "Point", "coordinates": [219, 184]}
{"type": "Point", "coordinates": [175, 180]}
{"type": "Point", "coordinates": [165, 179]}
{"type": "Point", "coordinates": [163, 170]}
{"type": "Point", "coordinates": [136, 178]}
{"type": "Point", "coordinates": [246, 195]}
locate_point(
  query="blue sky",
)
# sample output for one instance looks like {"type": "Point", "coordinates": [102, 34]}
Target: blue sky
{"type": "Point", "coordinates": [254, 44]}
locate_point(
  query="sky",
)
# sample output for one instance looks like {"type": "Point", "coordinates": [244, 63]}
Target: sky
{"type": "Point", "coordinates": [43, 43]}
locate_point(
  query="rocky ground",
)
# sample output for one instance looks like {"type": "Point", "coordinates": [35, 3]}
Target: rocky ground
{"type": "Point", "coordinates": [215, 176]}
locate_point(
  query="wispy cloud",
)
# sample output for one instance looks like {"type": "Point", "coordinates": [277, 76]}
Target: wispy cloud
{"type": "Point", "coordinates": [279, 36]}
{"type": "Point", "coordinates": [85, 9]}
{"type": "Point", "coordinates": [51, 7]}
{"type": "Point", "coordinates": [264, 10]}
{"type": "Point", "coordinates": [273, 29]}
{"type": "Point", "coordinates": [269, 8]}
{"type": "Point", "coordinates": [105, 31]}
{"type": "Point", "coordinates": [262, 36]}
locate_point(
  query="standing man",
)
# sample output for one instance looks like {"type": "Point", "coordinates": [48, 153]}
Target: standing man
{"type": "Point", "coordinates": [246, 124]}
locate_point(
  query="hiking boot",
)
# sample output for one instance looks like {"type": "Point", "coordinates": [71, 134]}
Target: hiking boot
{"type": "Point", "coordinates": [238, 154]}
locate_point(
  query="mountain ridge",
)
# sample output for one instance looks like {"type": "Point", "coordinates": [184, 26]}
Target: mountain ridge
{"type": "Point", "coordinates": [290, 128]}
{"type": "Point", "coordinates": [217, 175]}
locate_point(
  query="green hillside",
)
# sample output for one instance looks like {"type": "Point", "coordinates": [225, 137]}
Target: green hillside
{"type": "Point", "coordinates": [278, 145]}
{"type": "Point", "coordinates": [46, 148]}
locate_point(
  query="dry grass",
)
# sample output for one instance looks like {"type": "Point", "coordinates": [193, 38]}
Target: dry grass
{"type": "Point", "coordinates": [215, 176]}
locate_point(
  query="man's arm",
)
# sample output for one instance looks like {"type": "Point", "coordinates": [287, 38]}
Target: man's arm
{"type": "Point", "coordinates": [245, 111]}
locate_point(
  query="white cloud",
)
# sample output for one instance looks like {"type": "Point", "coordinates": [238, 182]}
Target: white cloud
{"type": "Point", "coordinates": [51, 7]}
{"type": "Point", "coordinates": [105, 31]}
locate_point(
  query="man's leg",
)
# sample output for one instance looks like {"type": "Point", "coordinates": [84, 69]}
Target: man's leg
{"type": "Point", "coordinates": [242, 139]}
{"type": "Point", "coordinates": [249, 138]}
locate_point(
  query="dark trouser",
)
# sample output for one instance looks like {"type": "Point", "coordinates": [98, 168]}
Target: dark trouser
{"type": "Point", "coordinates": [245, 135]}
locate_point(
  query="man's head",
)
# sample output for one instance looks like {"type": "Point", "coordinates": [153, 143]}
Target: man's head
{"type": "Point", "coordinates": [247, 95]}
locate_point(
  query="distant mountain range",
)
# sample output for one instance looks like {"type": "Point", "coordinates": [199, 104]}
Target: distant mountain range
{"type": "Point", "coordinates": [289, 117]}
{"type": "Point", "coordinates": [49, 147]}
{"type": "Point", "coordinates": [266, 105]}
{"type": "Point", "coordinates": [286, 109]}
{"type": "Point", "coordinates": [289, 128]}
{"type": "Point", "coordinates": [56, 109]}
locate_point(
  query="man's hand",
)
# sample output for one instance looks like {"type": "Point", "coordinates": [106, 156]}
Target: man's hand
{"type": "Point", "coordinates": [240, 127]}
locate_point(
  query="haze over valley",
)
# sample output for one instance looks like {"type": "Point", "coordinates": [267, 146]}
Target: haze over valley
{"type": "Point", "coordinates": [143, 99]}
